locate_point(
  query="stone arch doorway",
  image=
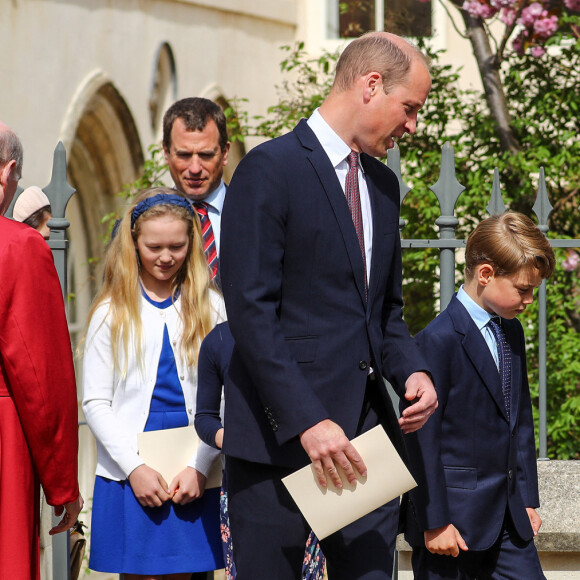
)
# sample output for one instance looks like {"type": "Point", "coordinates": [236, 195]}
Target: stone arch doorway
{"type": "Point", "coordinates": [163, 88]}
{"type": "Point", "coordinates": [103, 154]}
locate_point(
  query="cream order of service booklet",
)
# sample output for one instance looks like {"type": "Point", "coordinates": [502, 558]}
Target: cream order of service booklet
{"type": "Point", "coordinates": [328, 509]}
{"type": "Point", "coordinates": [168, 451]}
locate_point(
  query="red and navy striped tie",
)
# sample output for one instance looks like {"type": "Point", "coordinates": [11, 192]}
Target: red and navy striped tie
{"type": "Point", "coordinates": [208, 238]}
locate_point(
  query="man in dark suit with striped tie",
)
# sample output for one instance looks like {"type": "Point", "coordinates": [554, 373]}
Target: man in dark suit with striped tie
{"type": "Point", "coordinates": [196, 146]}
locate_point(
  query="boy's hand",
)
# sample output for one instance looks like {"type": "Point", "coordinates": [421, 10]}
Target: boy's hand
{"type": "Point", "coordinates": [535, 520]}
{"type": "Point", "coordinates": [446, 541]}
{"type": "Point", "coordinates": [418, 388]}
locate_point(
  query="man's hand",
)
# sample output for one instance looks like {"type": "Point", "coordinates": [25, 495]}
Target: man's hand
{"type": "Point", "coordinates": [446, 541]}
{"type": "Point", "coordinates": [535, 520]}
{"type": "Point", "coordinates": [149, 487]}
{"type": "Point", "coordinates": [188, 485]}
{"type": "Point", "coordinates": [419, 388]}
{"type": "Point", "coordinates": [71, 513]}
{"type": "Point", "coordinates": [327, 446]}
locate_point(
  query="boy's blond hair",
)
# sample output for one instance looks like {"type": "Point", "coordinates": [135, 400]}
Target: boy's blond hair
{"type": "Point", "coordinates": [509, 242]}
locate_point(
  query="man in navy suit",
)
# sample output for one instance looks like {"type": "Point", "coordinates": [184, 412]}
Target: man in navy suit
{"type": "Point", "coordinates": [472, 514]}
{"type": "Point", "coordinates": [315, 309]}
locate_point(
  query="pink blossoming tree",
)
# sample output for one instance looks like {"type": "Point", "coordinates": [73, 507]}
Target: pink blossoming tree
{"type": "Point", "coordinates": [526, 25]}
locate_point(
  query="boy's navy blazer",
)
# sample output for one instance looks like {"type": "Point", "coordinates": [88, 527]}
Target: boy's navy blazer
{"type": "Point", "coordinates": [472, 464]}
{"type": "Point", "coordinates": [293, 280]}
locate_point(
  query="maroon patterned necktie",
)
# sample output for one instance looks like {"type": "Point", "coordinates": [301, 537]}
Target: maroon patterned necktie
{"type": "Point", "coordinates": [208, 238]}
{"type": "Point", "coordinates": [352, 193]}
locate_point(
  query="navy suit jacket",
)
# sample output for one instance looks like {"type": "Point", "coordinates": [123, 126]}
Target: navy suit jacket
{"type": "Point", "coordinates": [470, 461]}
{"type": "Point", "coordinates": [293, 281]}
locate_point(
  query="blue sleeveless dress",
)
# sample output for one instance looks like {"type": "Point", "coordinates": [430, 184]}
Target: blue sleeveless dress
{"type": "Point", "coordinates": [129, 538]}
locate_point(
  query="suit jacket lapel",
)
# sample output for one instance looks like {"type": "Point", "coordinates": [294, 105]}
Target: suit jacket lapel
{"type": "Point", "coordinates": [376, 261]}
{"type": "Point", "coordinates": [512, 340]}
{"type": "Point", "coordinates": [478, 352]}
{"type": "Point", "coordinates": [329, 182]}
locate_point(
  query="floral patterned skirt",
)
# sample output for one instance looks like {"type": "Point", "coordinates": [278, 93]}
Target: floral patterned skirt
{"type": "Point", "coordinates": [312, 566]}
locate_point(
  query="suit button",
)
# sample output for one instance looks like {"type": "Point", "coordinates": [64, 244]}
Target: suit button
{"type": "Point", "coordinates": [362, 365]}
{"type": "Point", "coordinates": [510, 474]}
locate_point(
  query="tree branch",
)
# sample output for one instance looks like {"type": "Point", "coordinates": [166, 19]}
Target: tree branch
{"type": "Point", "coordinates": [452, 19]}
{"type": "Point", "coordinates": [508, 31]}
{"type": "Point", "coordinates": [488, 65]}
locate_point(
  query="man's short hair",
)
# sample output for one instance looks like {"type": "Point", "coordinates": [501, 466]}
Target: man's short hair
{"type": "Point", "coordinates": [10, 149]}
{"type": "Point", "coordinates": [195, 112]}
{"type": "Point", "coordinates": [375, 52]}
{"type": "Point", "coordinates": [509, 242]}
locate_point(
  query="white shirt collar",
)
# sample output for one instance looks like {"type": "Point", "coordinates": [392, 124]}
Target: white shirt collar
{"type": "Point", "coordinates": [480, 316]}
{"type": "Point", "coordinates": [336, 149]}
{"type": "Point", "coordinates": [216, 198]}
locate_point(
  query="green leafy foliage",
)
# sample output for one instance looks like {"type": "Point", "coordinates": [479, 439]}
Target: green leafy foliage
{"type": "Point", "coordinates": [563, 365]}
{"type": "Point", "coordinates": [543, 95]}
{"type": "Point", "coordinates": [308, 82]}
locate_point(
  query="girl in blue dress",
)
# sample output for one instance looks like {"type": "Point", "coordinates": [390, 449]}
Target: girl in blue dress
{"type": "Point", "coordinates": [140, 374]}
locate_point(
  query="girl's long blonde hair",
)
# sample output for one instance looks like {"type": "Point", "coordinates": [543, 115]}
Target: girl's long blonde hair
{"type": "Point", "coordinates": [121, 285]}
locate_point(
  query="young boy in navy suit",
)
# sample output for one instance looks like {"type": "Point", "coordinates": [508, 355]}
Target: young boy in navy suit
{"type": "Point", "coordinates": [473, 513]}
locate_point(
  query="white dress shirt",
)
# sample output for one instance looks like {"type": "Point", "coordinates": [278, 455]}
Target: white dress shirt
{"type": "Point", "coordinates": [338, 152]}
{"type": "Point", "coordinates": [215, 201]}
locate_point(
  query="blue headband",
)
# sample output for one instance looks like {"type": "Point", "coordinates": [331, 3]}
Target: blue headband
{"type": "Point", "coordinates": [159, 199]}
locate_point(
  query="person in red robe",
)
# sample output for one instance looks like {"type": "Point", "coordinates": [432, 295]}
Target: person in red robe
{"type": "Point", "coordinates": [38, 404]}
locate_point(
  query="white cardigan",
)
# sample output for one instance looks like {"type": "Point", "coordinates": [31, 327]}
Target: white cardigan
{"type": "Point", "coordinates": [116, 407]}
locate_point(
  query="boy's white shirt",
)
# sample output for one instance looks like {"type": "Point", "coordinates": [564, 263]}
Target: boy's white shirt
{"type": "Point", "coordinates": [116, 408]}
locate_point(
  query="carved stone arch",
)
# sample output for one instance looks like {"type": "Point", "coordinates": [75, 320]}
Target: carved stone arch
{"type": "Point", "coordinates": [103, 154]}
{"type": "Point", "coordinates": [163, 91]}
{"type": "Point", "coordinates": [237, 148]}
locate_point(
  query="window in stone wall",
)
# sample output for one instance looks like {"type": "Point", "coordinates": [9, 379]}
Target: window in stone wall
{"type": "Point", "coordinates": [351, 18]}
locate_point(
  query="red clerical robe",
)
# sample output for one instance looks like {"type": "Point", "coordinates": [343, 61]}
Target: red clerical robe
{"type": "Point", "coordinates": [38, 402]}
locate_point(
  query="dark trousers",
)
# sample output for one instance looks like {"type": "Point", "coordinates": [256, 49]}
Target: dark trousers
{"type": "Point", "coordinates": [194, 576]}
{"type": "Point", "coordinates": [269, 532]}
{"type": "Point", "coordinates": [510, 558]}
